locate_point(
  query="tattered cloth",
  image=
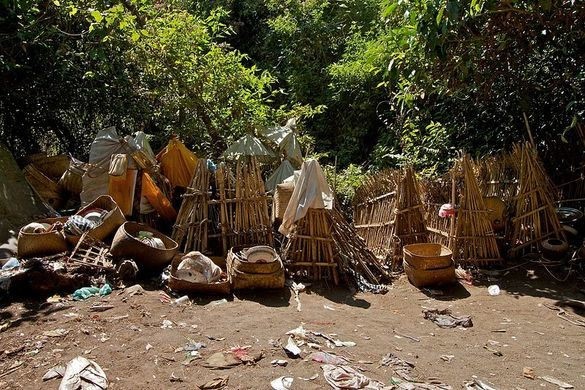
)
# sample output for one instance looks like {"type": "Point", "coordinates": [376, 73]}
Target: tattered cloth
{"type": "Point", "coordinates": [444, 318]}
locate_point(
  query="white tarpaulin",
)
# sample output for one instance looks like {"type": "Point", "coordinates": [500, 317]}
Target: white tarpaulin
{"type": "Point", "coordinates": [248, 145]}
{"type": "Point", "coordinates": [291, 148]}
{"type": "Point", "coordinates": [311, 192]}
{"type": "Point", "coordinates": [284, 170]}
{"type": "Point", "coordinates": [96, 178]}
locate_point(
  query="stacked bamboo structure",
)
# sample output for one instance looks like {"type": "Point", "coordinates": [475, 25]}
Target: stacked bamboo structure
{"type": "Point", "coordinates": [434, 194]}
{"type": "Point", "coordinates": [373, 211]}
{"type": "Point", "coordinates": [311, 246]}
{"type": "Point", "coordinates": [474, 241]}
{"type": "Point", "coordinates": [191, 228]}
{"type": "Point", "coordinates": [535, 217]}
{"type": "Point", "coordinates": [240, 207]}
{"type": "Point", "coordinates": [498, 176]}
{"type": "Point", "coordinates": [409, 221]}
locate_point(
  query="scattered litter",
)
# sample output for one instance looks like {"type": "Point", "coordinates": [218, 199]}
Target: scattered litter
{"type": "Point", "coordinates": [118, 318]}
{"type": "Point", "coordinates": [447, 358]}
{"type": "Point", "coordinates": [217, 383]}
{"type": "Point", "coordinates": [15, 366]}
{"type": "Point", "coordinates": [292, 349]}
{"type": "Point", "coordinates": [86, 292]}
{"type": "Point", "coordinates": [401, 367]}
{"type": "Point", "coordinates": [218, 302]}
{"type": "Point", "coordinates": [464, 276]}
{"type": "Point", "coordinates": [279, 362]}
{"type": "Point", "coordinates": [499, 330]}
{"type": "Point", "coordinates": [166, 324]}
{"type": "Point", "coordinates": [494, 290]}
{"type": "Point", "coordinates": [494, 351]}
{"type": "Point", "coordinates": [55, 372]}
{"type": "Point", "coordinates": [557, 382]}
{"type": "Point", "coordinates": [134, 290]}
{"type": "Point", "coordinates": [183, 299]}
{"type": "Point", "coordinates": [85, 374]}
{"type": "Point", "coordinates": [148, 347]}
{"type": "Point", "coordinates": [477, 384]}
{"type": "Point", "coordinates": [433, 292]}
{"type": "Point", "coordinates": [408, 385]}
{"type": "Point", "coordinates": [327, 307]}
{"type": "Point", "coordinates": [232, 358]}
{"type": "Point", "coordinates": [164, 297]}
{"type": "Point", "coordinates": [100, 308]}
{"type": "Point", "coordinates": [175, 378]}
{"type": "Point", "coordinates": [566, 316]}
{"type": "Point", "coordinates": [528, 372]}
{"type": "Point", "coordinates": [444, 318]}
{"type": "Point", "coordinates": [282, 383]}
{"type": "Point", "coordinates": [400, 335]}
{"type": "Point", "coordinates": [328, 358]}
{"type": "Point", "coordinates": [213, 338]}
{"type": "Point", "coordinates": [5, 325]}
{"type": "Point", "coordinates": [193, 346]}
{"type": "Point", "coordinates": [345, 377]}
{"type": "Point", "coordinates": [296, 288]}
{"type": "Point", "coordinates": [56, 333]}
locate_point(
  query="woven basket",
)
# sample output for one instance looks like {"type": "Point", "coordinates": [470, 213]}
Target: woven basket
{"type": "Point", "coordinates": [282, 196]}
{"type": "Point", "coordinates": [427, 256]}
{"type": "Point", "coordinates": [52, 166]}
{"type": "Point", "coordinates": [239, 263]}
{"type": "Point", "coordinates": [42, 244]}
{"type": "Point", "coordinates": [127, 245]}
{"type": "Point", "coordinates": [248, 280]}
{"type": "Point", "coordinates": [430, 277]}
{"type": "Point", "coordinates": [109, 225]}
{"type": "Point", "coordinates": [44, 186]}
{"type": "Point", "coordinates": [71, 180]}
{"type": "Point", "coordinates": [183, 286]}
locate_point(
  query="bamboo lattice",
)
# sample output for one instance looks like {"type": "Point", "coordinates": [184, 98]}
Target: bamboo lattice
{"type": "Point", "coordinates": [535, 217]}
{"type": "Point", "coordinates": [475, 242]}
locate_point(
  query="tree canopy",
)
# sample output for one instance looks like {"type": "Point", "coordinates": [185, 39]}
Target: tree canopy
{"type": "Point", "coordinates": [372, 82]}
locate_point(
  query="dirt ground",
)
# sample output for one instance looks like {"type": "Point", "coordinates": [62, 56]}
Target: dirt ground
{"type": "Point", "coordinates": [517, 323]}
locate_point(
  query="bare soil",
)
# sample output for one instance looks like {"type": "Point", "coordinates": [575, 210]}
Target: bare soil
{"type": "Point", "coordinates": [516, 323]}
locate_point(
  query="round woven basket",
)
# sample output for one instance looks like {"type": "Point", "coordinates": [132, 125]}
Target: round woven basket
{"type": "Point", "coordinates": [127, 245]}
{"type": "Point", "coordinates": [240, 279]}
{"type": "Point", "coordinates": [427, 255]}
{"type": "Point", "coordinates": [42, 244]}
{"type": "Point", "coordinates": [430, 277]}
{"type": "Point", "coordinates": [183, 286]}
{"type": "Point", "coordinates": [237, 255]}
{"type": "Point", "coordinates": [113, 220]}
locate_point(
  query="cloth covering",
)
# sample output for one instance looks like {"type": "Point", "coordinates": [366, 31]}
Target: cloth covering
{"type": "Point", "coordinates": [177, 163]}
{"type": "Point", "coordinates": [292, 149]}
{"type": "Point", "coordinates": [284, 170]}
{"type": "Point", "coordinates": [248, 145]}
{"type": "Point", "coordinates": [311, 192]}
{"type": "Point", "coordinates": [122, 188]}
{"type": "Point", "coordinates": [157, 199]}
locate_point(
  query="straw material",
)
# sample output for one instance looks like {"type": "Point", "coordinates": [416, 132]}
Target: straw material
{"type": "Point", "coordinates": [45, 187]}
{"type": "Point", "coordinates": [282, 196]}
{"type": "Point", "coordinates": [427, 256]}
{"type": "Point", "coordinates": [42, 244]}
{"type": "Point", "coordinates": [240, 279]}
{"type": "Point", "coordinates": [114, 219]}
{"type": "Point", "coordinates": [126, 245]}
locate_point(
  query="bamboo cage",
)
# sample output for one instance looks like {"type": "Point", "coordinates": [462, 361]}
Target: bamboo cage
{"type": "Point", "coordinates": [324, 244]}
{"type": "Point", "coordinates": [191, 228]}
{"type": "Point", "coordinates": [498, 176]}
{"type": "Point", "coordinates": [409, 221]}
{"type": "Point", "coordinates": [243, 203]}
{"type": "Point", "coordinates": [474, 241]}
{"type": "Point", "coordinates": [311, 246]}
{"type": "Point", "coordinates": [535, 217]}
{"type": "Point", "coordinates": [373, 215]}
{"type": "Point", "coordinates": [237, 215]}
{"type": "Point", "coordinates": [434, 194]}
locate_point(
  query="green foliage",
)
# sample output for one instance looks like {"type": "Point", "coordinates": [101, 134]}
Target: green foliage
{"type": "Point", "coordinates": [344, 182]}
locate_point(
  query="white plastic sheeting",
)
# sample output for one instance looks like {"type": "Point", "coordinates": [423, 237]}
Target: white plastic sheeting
{"type": "Point", "coordinates": [284, 170]}
{"type": "Point", "coordinates": [248, 145]}
{"type": "Point", "coordinates": [311, 192]}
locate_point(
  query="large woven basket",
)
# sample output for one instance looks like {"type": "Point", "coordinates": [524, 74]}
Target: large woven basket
{"type": "Point", "coordinates": [109, 225]}
{"type": "Point", "coordinates": [430, 277]}
{"type": "Point", "coordinates": [239, 262]}
{"type": "Point", "coordinates": [282, 196]}
{"type": "Point", "coordinates": [427, 255]}
{"type": "Point", "coordinates": [44, 186]}
{"type": "Point", "coordinates": [126, 245]}
{"type": "Point", "coordinates": [42, 244]}
{"type": "Point", "coordinates": [249, 280]}
{"type": "Point", "coordinates": [183, 286]}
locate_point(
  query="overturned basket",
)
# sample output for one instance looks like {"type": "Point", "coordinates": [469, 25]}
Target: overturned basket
{"type": "Point", "coordinates": [42, 244]}
{"type": "Point", "coordinates": [244, 274]}
{"type": "Point", "coordinates": [126, 245]}
{"type": "Point", "coordinates": [183, 286]}
{"type": "Point", "coordinates": [111, 222]}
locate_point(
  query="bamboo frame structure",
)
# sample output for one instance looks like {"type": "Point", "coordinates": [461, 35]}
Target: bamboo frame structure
{"type": "Point", "coordinates": [373, 211]}
{"type": "Point", "coordinates": [535, 216]}
{"type": "Point", "coordinates": [409, 221]}
{"type": "Point", "coordinates": [242, 206]}
{"type": "Point", "coordinates": [474, 241]}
